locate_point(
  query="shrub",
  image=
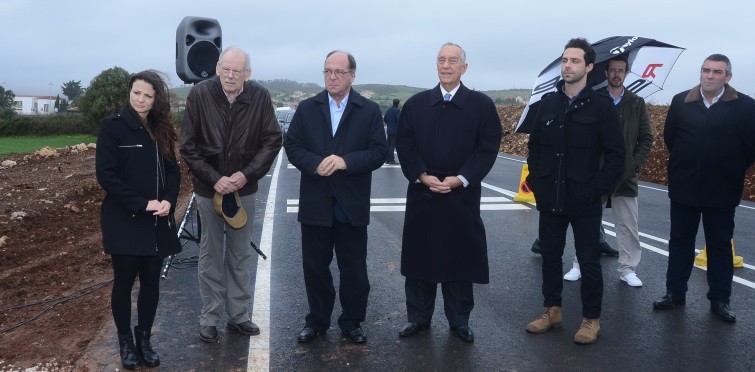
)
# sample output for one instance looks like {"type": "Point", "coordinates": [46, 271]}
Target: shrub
{"type": "Point", "coordinates": [46, 125]}
{"type": "Point", "coordinates": [105, 96]}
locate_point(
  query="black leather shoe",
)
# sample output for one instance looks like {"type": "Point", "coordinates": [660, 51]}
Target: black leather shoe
{"type": "Point", "coordinates": [669, 301]}
{"type": "Point", "coordinates": [723, 312]}
{"type": "Point", "coordinates": [245, 328]}
{"type": "Point", "coordinates": [411, 329]}
{"type": "Point", "coordinates": [464, 333]}
{"type": "Point", "coordinates": [607, 250]}
{"type": "Point", "coordinates": [536, 247]}
{"type": "Point", "coordinates": [308, 334]}
{"type": "Point", "coordinates": [356, 335]}
{"type": "Point", "coordinates": [208, 334]}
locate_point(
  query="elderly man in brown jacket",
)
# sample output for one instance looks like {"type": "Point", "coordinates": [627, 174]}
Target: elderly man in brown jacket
{"type": "Point", "coordinates": [229, 140]}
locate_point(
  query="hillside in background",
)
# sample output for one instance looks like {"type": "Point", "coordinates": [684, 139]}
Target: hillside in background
{"type": "Point", "coordinates": [289, 93]}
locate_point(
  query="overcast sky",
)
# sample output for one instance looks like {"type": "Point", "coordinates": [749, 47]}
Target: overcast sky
{"type": "Point", "coordinates": [394, 42]}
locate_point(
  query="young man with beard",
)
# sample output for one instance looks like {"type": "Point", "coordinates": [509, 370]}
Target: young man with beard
{"type": "Point", "coordinates": [638, 141]}
{"type": "Point", "coordinates": [574, 128]}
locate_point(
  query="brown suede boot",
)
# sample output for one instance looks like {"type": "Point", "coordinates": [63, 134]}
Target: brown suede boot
{"type": "Point", "coordinates": [550, 318]}
{"type": "Point", "coordinates": [588, 331]}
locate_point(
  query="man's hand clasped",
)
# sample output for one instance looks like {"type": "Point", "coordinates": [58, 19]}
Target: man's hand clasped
{"type": "Point", "coordinates": [441, 187]}
{"type": "Point", "coordinates": [331, 164]}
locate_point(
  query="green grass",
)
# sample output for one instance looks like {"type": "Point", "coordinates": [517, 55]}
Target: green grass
{"type": "Point", "coordinates": [27, 144]}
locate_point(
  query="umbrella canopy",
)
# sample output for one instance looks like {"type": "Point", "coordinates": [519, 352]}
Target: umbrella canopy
{"type": "Point", "coordinates": [649, 63]}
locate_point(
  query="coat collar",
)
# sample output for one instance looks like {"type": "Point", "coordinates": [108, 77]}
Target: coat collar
{"type": "Point", "coordinates": [131, 120]}
{"type": "Point", "coordinates": [694, 95]}
{"type": "Point", "coordinates": [245, 96]}
{"type": "Point", "coordinates": [355, 100]}
{"type": "Point", "coordinates": [458, 99]}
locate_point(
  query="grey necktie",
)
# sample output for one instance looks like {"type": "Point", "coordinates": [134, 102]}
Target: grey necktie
{"type": "Point", "coordinates": [447, 97]}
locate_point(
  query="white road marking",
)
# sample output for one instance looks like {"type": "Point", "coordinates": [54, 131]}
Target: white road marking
{"type": "Point", "coordinates": [259, 346]}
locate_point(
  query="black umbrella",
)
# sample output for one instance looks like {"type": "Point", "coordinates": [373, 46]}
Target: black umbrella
{"type": "Point", "coordinates": [649, 63]}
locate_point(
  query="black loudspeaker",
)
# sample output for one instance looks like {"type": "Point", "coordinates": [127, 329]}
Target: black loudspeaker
{"type": "Point", "coordinates": [198, 46]}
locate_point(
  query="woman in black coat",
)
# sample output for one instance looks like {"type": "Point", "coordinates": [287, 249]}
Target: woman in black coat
{"type": "Point", "coordinates": [136, 166]}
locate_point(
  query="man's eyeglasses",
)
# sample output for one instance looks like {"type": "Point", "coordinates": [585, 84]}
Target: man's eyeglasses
{"type": "Point", "coordinates": [338, 73]}
{"type": "Point", "coordinates": [227, 71]}
{"type": "Point", "coordinates": [619, 71]}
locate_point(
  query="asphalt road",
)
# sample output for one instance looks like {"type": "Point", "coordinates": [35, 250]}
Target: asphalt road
{"type": "Point", "coordinates": [633, 336]}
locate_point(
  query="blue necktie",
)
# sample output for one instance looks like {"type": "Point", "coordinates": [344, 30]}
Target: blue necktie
{"type": "Point", "coordinates": [447, 97]}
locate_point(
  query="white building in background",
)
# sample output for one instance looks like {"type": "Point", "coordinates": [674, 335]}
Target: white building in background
{"type": "Point", "coordinates": [34, 105]}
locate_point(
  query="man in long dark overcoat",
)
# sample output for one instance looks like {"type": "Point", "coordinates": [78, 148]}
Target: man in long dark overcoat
{"type": "Point", "coordinates": [447, 141]}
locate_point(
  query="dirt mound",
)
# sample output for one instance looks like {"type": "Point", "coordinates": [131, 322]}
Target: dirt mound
{"type": "Point", "coordinates": [54, 279]}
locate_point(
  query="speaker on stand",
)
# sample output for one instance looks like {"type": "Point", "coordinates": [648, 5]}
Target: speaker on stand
{"type": "Point", "coordinates": [199, 42]}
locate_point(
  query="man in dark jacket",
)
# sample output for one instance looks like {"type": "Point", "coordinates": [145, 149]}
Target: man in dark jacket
{"type": "Point", "coordinates": [336, 140]}
{"type": "Point", "coordinates": [391, 121]}
{"type": "Point", "coordinates": [447, 140]}
{"type": "Point", "coordinates": [229, 140]}
{"type": "Point", "coordinates": [710, 133]}
{"type": "Point", "coordinates": [574, 127]}
{"type": "Point", "coordinates": [638, 141]}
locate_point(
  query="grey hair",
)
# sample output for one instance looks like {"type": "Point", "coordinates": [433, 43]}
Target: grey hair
{"type": "Point", "coordinates": [247, 65]}
{"type": "Point", "coordinates": [463, 53]}
{"type": "Point", "coordinates": [721, 58]}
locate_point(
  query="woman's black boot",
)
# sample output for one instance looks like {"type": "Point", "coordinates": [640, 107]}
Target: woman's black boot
{"type": "Point", "coordinates": [129, 358]}
{"type": "Point", "coordinates": [149, 356]}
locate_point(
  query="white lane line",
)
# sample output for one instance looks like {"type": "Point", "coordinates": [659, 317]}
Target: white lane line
{"type": "Point", "coordinates": [665, 253]}
{"type": "Point", "coordinates": [485, 199]}
{"type": "Point", "coordinates": [644, 245]}
{"type": "Point", "coordinates": [401, 208]}
{"type": "Point", "coordinates": [498, 189]}
{"type": "Point", "coordinates": [259, 346]}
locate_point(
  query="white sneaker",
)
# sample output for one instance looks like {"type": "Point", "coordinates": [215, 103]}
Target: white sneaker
{"type": "Point", "coordinates": [632, 280]}
{"type": "Point", "coordinates": [573, 274]}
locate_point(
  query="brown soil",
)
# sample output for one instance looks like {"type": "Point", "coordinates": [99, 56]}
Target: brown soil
{"type": "Point", "coordinates": [54, 279]}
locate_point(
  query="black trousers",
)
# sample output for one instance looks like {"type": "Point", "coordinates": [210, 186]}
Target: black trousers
{"type": "Point", "coordinates": [458, 301]}
{"type": "Point", "coordinates": [718, 226]}
{"type": "Point", "coordinates": [391, 146]}
{"type": "Point", "coordinates": [125, 271]}
{"type": "Point", "coordinates": [350, 243]}
{"type": "Point", "coordinates": [586, 231]}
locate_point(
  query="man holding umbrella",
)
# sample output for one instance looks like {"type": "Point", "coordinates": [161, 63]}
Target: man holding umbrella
{"type": "Point", "coordinates": [573, 128]}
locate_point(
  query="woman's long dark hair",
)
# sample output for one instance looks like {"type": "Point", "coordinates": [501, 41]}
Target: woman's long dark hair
{"type": "Point", "coordinates": [161, 129]}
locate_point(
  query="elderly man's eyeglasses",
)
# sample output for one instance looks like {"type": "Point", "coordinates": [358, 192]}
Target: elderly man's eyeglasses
{"type": "Point", "coordinates": [619, 71]}
{"type": "Point", "coordinates": [227, 71]}
{"type": "Point", "coordinates": [338, 73]}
